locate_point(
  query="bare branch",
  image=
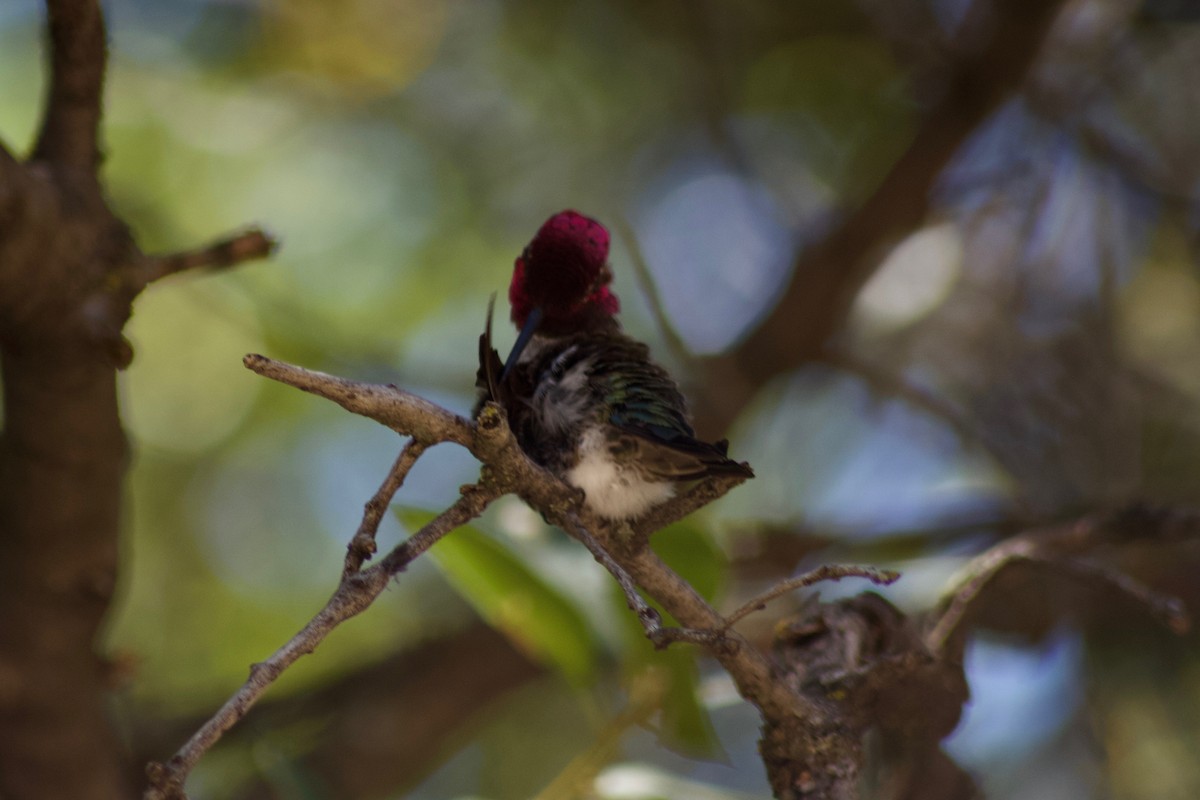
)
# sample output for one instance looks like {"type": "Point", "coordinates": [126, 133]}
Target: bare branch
{"type": "Point", "coordinates": [864, 661]}
{"type": "Point", "coordinates": [508, 469]}
{"type": "Point", "coordinates": [981, 571]}
{"type": "Point", "coordinates": [227, 252]}
{"type": "Point", "coordinates": [797, 726]}
{"type": "Point", "coordinates": [750, 670]}
{"type": "Point", "coordinates": [475, 498]}
{"type": "Point", "coordinates": [651, 621]}
{"type": "Point", "coordinates": [70, 125]}
{"type": "Point", "coordinates": [362, 546]}
{"type": "Point", "coordinates": [437, 681]}
{"type": "Point", "coordinates": [622, 548]}
{"type": "Point", "coordinates": [399, 410]}
{"type": "Point", "coordinates": [1060, 548]}
{"type": "Point", "coordinates": [353, 596]}
{"type": "Point", "coordinates": [649, 618]}
{"type": "Point", "coordinates": [825, 572]}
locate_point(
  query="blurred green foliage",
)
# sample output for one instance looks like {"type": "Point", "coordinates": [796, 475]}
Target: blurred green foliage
{"type": "Point", "coordinates": [404, 150]}
{"type": "Point", "coordinates": [511, 597]}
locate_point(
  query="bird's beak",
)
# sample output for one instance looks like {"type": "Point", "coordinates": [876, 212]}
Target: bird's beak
{"type": "Point", "coordinates": [531, 326]}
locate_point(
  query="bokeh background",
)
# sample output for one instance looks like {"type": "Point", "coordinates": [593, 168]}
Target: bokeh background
{"type": "Point", "coordinates": [1030, 352]}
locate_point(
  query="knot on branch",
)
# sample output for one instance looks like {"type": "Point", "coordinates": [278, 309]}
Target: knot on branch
{"type": "Point", "coordinates": [165, 780]}
{"type": "Point", "coordinates": [492, 434]}
{"type": "Point", "coordinates": [868, 659]}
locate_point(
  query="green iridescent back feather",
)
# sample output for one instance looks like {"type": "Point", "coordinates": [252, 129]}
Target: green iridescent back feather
{"type": "Point", "coordinates": [637, 394]}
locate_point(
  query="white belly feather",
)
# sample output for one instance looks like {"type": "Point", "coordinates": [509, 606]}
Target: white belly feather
{"type": "Point", "coordinates": [613, 491]}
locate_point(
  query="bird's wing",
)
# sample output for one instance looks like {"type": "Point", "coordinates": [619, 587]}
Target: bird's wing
{"type": "Point", "coordinates": [648, 423]}
{"type": "Point", "coordinates": [682, 459]}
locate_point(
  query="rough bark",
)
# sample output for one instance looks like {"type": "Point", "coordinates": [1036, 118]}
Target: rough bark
{"type": "Point", "coordinates": [69, 271]}
{"type": "Point", "coordinates": [62, 453]}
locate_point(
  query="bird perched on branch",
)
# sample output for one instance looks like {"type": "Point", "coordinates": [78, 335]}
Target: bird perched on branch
{"type": "Point", "coordinates": [583, 399]}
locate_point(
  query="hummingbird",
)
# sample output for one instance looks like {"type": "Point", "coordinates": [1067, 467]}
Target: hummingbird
{"type": "Point", "coordinates": [584, 400]}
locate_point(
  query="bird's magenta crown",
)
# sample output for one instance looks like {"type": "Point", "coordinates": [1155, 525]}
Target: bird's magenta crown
{"type": "Point", "coordinates": [564, 271]}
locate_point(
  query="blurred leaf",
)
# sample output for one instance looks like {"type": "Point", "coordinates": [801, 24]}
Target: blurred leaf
{"type": "Point", "coordinates": [685, 724]}
{"type": "Point", "coordinates": [370, 46]}
{"type": "Point", "coordinates": [512, 598]}
{"type": "Point", "coordinates": [688, 549]}
{"type": "Point", "coordinates": [194, 337]}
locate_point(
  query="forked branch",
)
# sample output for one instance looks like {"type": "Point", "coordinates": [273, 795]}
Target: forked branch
{"type": "Point", "coordinates": [622, 549]}
{"type": "Point", "coordinates": [808, 741]}
{"type": "Point", "coordinates": [1066, 549]}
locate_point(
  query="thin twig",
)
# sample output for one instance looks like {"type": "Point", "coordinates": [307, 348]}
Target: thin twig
{"type": "Point", "coordinates": [227, 252]}
{"type": "Point", "coordinates": [825, 572]}
{"type": "Point", "coordinates": [649, 289]}
{"type": "Point", "coordinates": [658, 634]}
{"type": "Point", "coordinates": [1060, 547]}
{"type": "Point", "coordinates": [980, 571]}
{"type": "Point", "coordinates": [354, 594]}
{"type": "Point", "coordinates": [362, 546]}
{"type": "Point", "coordinates": [750, 670]}
{"type": "Point", "coordinates": [475, 498]}
{"type": "Point", "coordinates": [646, 614]}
